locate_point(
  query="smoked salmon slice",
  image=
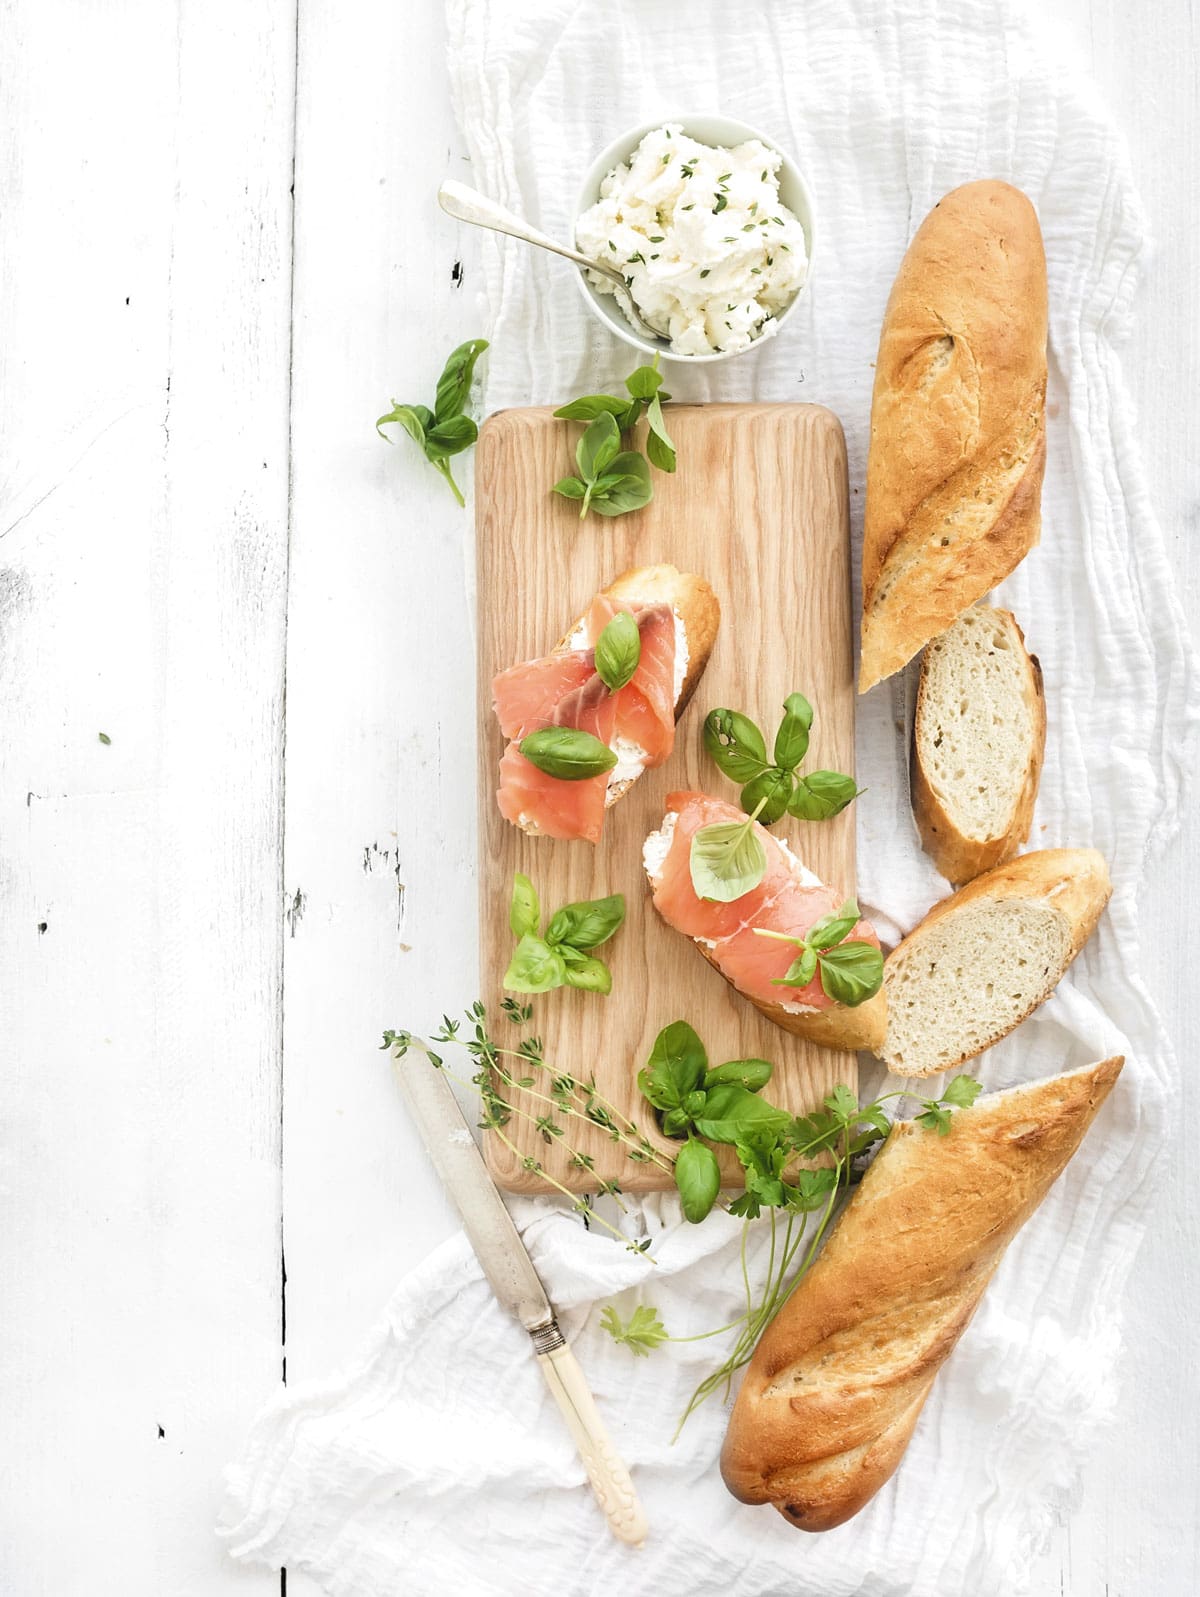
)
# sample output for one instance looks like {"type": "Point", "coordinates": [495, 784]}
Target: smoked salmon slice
{"type": "Point", "coordinates": [789, 900]}
{"type": "Point", "coordinates": [565, 689]}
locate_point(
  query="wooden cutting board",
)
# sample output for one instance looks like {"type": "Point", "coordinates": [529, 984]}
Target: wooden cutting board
{"type": "Point", "coordinates": [759, 506]}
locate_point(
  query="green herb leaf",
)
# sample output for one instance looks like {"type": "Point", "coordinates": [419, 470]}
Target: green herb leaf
{"type": "Point", "coordinates": [593, 405]}
{"type": "Point", "coordinates": [598, 447]}
{"type": "Point", "coordinates": [736, 744]}
{"type": "Point", "coordinates": [659, 447]}
{"type": "Point", "coordinates": [771, 789]}
{"type": "Point", "coordinates": [676, 1066]}
{"type": "Point", "coordinates": [450, 437]}
{"type": "Point", "coordinates": [524, 911]}
{"type": "Point", "coordinates": [800, 972]}
{"type": "Point", "coordinates": [822, 794]}
{"type": "Point", "coordinates": [568, 753]}
{"type": "Point", "coordinates": [698, 1178]}
{"type": "Point", "coordinates": [104, 738]}
{"type": "Point", "coordinates": [454, 385]}
{"type": "Point", "coordinates": [413, 418]}
{"type": "Point", "coordinates": [535, 967]}
{"type": "Point", "coordinates": [570, 488]}
{"type": "Point", "coordinates": [962, 1091]}
{"type": "Point", "coordinates": [587, 924]}
{"type": "Point", "coordinates": [726, 860]}
{"type": "Point", "coordinates": [645, 381]}
{"type": "Point", "coordinates": [753, 1074]}
{"type": "Point", "coordinates": [641, 1333]}
{"type": "Point", "coordinates": [722, 202]}
{"type": "Point", "coordinates": [618, 651]}
{"type": "Point", "coordinates": [582, 970]}
{"type": "Point", "coordinates": [632, 488]}
{"type": "Point", "coordinates": [791, 741]}
{"type": "Point", "coordinates": [831, 929]}
{"type": "Point", "coordinates": [935, 1118]}
{"type": "Point", "coordinates": [730, 1112]}
{"type": "Point", "coordinates": [842, 1102]}
{"type": "Point", "coordinates": [851, 973]}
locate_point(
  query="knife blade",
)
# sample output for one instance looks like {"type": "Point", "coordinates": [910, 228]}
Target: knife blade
{"type": "Point", "coordinates": [513, 1279]}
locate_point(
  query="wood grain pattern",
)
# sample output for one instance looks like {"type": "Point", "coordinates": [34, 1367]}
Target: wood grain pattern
{"type": "Point", "coordinates": [759, 508]}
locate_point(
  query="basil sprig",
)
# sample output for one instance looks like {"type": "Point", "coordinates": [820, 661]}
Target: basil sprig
{"type": "Point", "coordinates": [562, 956]}
{"type": "Point", "coordinates": [850, 972]}
{"type": "Point", "coordinates": [773, 786]}
{"type": "Point", "coordinates": [618, 651]}
{"type": "Point", "coordinates": [612, 481]}
{"type": "Point", "coordinates": [567, 752]}
{"type": "Point", "coordinates": [445, 430]}
{"type": "Point", "coordinates": [727, 860]}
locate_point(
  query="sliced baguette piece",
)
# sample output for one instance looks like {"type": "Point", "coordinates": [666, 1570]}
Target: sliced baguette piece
{"type": "Point", "coordinates": [979, 736]}
{"type": "Point", "coordinates": [835, 1387]}
{"type": "Point", "coordinates": [958, 439]}
{"type": "Point", "coordinates": [838, 1026]}
{"type": "Point", "coordinates": [697, 615]}
{"type": "Point", "coordinates": [987, 956]}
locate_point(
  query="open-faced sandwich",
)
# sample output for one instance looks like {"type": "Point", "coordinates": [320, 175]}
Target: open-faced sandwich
{"type": "Point", "coordinates": [586, 720]}
{"type": "Point", "coordinates": [788, 942]}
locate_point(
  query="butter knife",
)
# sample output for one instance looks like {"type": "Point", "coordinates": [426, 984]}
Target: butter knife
{"type": "Point", "coordinates": [509, 1269]}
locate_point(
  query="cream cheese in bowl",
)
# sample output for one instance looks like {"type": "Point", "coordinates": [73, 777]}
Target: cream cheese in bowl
{"type": "Point", "coordinates": [712, 254]}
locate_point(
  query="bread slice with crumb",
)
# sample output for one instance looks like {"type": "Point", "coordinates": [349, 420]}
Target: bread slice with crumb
{"type": "Point", "coordinates": [978, 740]}
{"type": "Point", "coordinates": [987, 956]}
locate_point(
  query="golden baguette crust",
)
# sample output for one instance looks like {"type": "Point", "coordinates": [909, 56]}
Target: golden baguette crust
{"type": "Point", "coordinates": [837, 1382]}
{"type": "Point", "coordinates": [957, 855]}
{"type": "Point", "coordinates": [957, 448]}
{"type": "Point", "coordinates": [699, 610]}
{"type": "Point", "coordinates": [1072, 881]}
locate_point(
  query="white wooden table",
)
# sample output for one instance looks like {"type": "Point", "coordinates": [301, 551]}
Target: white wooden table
{"type": "Point", "coordinates": [207, 555]}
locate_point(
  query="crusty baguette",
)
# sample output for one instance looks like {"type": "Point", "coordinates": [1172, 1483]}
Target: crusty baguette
{"type": "Point", "coordinates": [841, 1026]}
{"type": "Point", "coordinates": [978, 739]}
{"type": "Point", "coordinates": [833, 1392]}
{"type": "Point", "coordinates": [696, 605]}
{"type": "Point", "coordinates": [987, 956]}
{"type": "Point", "coordinates": [958, 448]}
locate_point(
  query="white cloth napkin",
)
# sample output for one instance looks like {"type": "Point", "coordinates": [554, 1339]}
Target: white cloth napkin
{"type": "Point", "coordinates": [415, 1472]}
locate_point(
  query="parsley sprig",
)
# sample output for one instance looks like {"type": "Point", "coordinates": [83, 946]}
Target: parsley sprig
{"type": "Point", "coordinates": [445, 430]}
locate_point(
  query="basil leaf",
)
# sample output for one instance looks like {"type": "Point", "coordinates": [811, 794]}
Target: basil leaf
{"type": "Point", "coordinates": [694, 1103]}
{"type": "Point", "coordinates": [593, 405]}
{"type": "Point", "coordinates": [800, 972]}
{"type": "Point", "coordinates": [644, 382]}
{"type": "Point", "coordinates": [962, 1091]}
{"type": "Point", "coordinates": [735, 743]}
{"type": "Point", "coordinates": [676, 1122]}
{"type": "Point", "coordinates": [567, 753]}
{"type": "Point", "coordinates": [524, 911]}
{"type": "Point", "coordinates": [415, 419]}
{"type": "Point", "coordinates": [587, 924]}
{"type": "Point", "coordinates": [659, 447]}
{"type": "Point", "coordinates": [454, 385]}
{"type": "Point", "coordinates": [535, 967]}
{"type": "Point", "coordinates": [570, 488]}
{"type": "Point", "coordinates": [450, 437]}
{"type": "Point", "coordinates": [698, 1177]}
{"type": "Point", "coordinates": [822, 794]}
{"type": "Point", "coordinates": [631, 491]}
{"type": "Point", "coordinates": [618, 651]}
{"type": "Point", "coordinates": [791, 741]}
{"type": "Point", "coordinates": [772, 788]}
{"type": "Point", "coordinates": [851, 973]}
{"type": "Point", "coordinates": [598, 447]}
{"type": "Point", "coordinates": [831, 929]}
{"type": "Point", "coordinates": [731, 1112]}
{"type": "Point", "coordinates": [726, 861]}
{"type": "Point", "coordinates": [676, 1066]}
{"type": "Point", "coordinates": [753, 1074]}
{"type": "Point", "coordinates": [593, 975]}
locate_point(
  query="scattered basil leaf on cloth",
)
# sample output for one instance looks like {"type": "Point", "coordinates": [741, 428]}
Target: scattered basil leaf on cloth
{"type": "Point", "coordinates": [568, 753]}
{"type": "Point", "coordinates": [562, 957]}
{"type": "Point", "coordinates": [446, 430]}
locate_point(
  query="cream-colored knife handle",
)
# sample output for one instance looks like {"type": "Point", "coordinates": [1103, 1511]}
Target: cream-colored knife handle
{"type": "Point", "coordinates": [610, 1480]}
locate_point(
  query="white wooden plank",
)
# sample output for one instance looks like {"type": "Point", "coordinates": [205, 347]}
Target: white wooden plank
{"type": "Point", "coordinates": [380, 807]}
{"type": "Point", "coordinates": [146, 166]}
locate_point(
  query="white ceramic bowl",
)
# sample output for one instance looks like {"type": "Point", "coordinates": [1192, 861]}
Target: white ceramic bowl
{"type": "Point", "coordinates": [714, 130]}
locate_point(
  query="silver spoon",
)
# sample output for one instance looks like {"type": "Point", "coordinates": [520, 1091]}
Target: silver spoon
{"type": "Point", "coordinates": [468, 205]}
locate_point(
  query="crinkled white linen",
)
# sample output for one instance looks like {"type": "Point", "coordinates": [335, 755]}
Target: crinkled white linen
{"type": "Point", "coordinates": [435, 1462]}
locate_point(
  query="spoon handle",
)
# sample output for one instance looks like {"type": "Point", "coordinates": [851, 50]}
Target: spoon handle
{"type": "Point", "coordinates": [468, 205]}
